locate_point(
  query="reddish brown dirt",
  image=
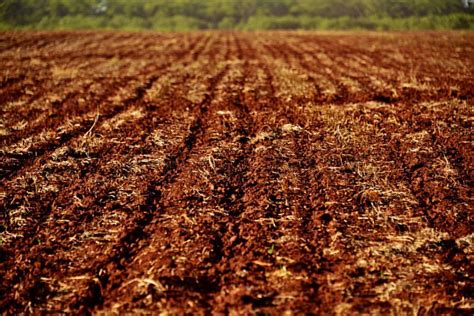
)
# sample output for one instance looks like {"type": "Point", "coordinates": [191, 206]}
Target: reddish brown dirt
{"type": "Point", "coordinates": [327, 173]}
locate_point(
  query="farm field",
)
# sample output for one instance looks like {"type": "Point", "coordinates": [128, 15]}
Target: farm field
{"type": "Point", "coordinates": [229, 172]}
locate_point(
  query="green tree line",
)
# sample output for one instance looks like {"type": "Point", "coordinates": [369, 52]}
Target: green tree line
{"type": "Point", "coordinates": [177, 15]}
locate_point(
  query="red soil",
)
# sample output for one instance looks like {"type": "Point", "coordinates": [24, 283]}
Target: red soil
{"type": "Point", "coordinates": [236, 172]}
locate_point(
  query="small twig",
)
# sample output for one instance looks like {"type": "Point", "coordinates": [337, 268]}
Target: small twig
{"type": "Point", "coordinates": [93, 125]}
{"type": "Point", "coordinates": [212, 162]}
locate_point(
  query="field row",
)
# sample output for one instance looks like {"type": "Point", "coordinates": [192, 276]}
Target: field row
{"type": "Point", "coordinates": [248, 172]}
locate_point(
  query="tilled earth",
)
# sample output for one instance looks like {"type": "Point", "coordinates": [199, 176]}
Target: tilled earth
{"type": "Point", "coordinates": [298, 172]}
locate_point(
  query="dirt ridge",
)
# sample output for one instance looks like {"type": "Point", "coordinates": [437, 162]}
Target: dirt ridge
{"type": "Point", "coordinates": [236, 173]}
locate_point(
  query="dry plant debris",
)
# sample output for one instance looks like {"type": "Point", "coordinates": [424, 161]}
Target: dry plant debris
{"type": "Point", "coordinates": [241, 173]}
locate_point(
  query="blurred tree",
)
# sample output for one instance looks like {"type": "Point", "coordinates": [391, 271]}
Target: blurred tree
{"type": "Point", "coordinates": [225, 13]}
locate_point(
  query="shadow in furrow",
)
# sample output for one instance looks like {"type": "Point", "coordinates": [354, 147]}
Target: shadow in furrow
{"type": "Point", "coordinates": [128, 246]}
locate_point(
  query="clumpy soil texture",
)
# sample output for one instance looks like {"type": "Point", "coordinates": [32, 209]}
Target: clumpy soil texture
{"type": "Point", "coordinates": [327, 173]}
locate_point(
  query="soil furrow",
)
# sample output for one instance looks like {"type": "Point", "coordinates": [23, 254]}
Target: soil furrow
{"type": "Point", "coordinates": [38, 151]}
{"type": "Point", "coordinates": [112, 72]}
{"type": "Point", "coordinates": [236, 173]}
{"type": "Point", "coordinates": [82, 152]}
{"type": "Point", "coordinates": [40, 284]}
{"type": "Point", "coordinates": [31, 157]}
{"type": "Point", "coordinates": [12, 203]}
{"type": "Point", "coordinates": [129, 244]}
{"type": "Point", "coordinates": [170, 200]}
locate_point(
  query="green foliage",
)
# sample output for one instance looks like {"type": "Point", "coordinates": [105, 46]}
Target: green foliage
{"type": "Point", "coordinates": [272, 23]}
{"type": "Point", "coordinates": [182, 15]}
{"type": "Point", "coordinates": [177, 23]}
{"type": "Point", "coordinates": [271, 249]}
{"type": "Point", "coordinates": [226, 23]}
{"type": "Point", "coordinates": [70, 22]}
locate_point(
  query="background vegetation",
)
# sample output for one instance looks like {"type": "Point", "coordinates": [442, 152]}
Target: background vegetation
{"type": "Point", "coordinates": [179, 15]}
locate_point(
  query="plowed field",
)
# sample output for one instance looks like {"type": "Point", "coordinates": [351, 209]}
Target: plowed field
{"type": "Point", "coordinates": [327, 173]}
